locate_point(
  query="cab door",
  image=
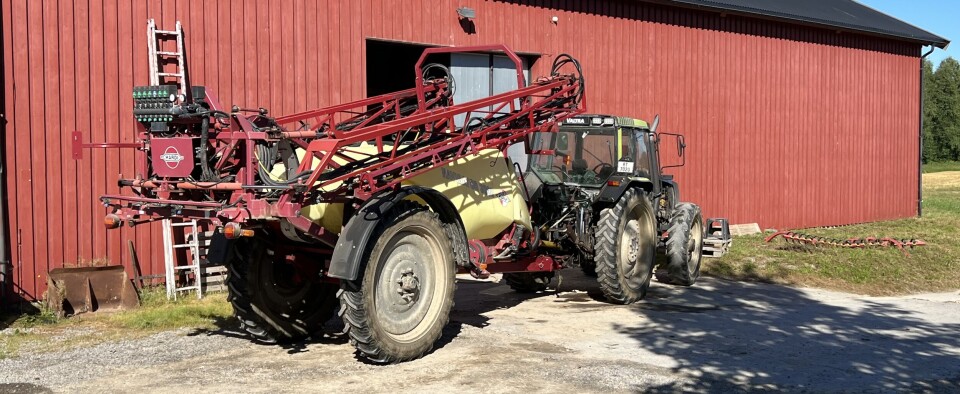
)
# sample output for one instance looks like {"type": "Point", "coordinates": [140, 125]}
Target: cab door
{"type": "Point", "coordinates": [647, 163]}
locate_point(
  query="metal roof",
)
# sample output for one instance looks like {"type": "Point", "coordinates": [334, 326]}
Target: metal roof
{"type": "Point", "coordinates": [838, 14]}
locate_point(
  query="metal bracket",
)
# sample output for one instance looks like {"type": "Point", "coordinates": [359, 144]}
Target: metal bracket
{"type": "Point", "coordinates": [78, 145]}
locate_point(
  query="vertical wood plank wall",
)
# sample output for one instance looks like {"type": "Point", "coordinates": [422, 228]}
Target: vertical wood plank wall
{"type": "Point", "coordinates": [786, 126]}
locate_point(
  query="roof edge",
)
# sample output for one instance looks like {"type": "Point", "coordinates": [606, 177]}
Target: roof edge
{"type": "Point", "coordinates": [941, 42]}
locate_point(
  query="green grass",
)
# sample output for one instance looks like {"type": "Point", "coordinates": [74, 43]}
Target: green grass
{"type": "Point", "coordinates": [874, 271]}
{"type": "Point", "coordinates": [158, 314]}
{"type": "Point", "coordinates": [941, 167]}
{"type": "Point", "coordinates": [44, 331]}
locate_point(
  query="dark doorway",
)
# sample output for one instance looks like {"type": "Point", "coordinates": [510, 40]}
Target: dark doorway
{"type": "Point", "coordinates": [390, 65]}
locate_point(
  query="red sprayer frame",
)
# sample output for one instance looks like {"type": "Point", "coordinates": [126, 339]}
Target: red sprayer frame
{"type": "Point", "coordinates": [429, 134]}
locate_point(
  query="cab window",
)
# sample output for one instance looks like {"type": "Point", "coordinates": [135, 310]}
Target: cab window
{"type": "Point", "coordinates": [643, 155]}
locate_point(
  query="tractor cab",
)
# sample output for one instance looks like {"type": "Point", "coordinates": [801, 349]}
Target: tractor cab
{"type": "Point", "coordinates": [589, 150]}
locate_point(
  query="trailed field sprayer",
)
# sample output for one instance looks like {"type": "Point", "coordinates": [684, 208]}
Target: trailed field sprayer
{"type": "Point", "coordinates": [371, 208]}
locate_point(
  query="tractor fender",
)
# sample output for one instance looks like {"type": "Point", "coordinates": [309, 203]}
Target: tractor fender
{"type": "Point", "coordinates": [672, 184]}
{"type": "Point", "coordinates": [348, 254]}
{"type": "Point", "coordinates": [611, 194]}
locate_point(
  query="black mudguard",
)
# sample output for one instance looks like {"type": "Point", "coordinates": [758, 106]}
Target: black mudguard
{"type": "Point", "coordinates": [669, 182]}
{"type": "Point", "coordinates": [219, 250]}
{"type": "Point", "coordinates": [610, 194]}
{"type": "Point", "coordinates": [348, 255]}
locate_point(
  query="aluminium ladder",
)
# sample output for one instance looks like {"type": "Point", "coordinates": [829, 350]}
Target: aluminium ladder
{"type": "Point", "coordinates": [157, 56]}
{"type": "Point", "coordinates": [191, 241]}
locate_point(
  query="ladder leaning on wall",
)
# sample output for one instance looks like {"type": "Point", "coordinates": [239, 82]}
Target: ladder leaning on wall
{"type": "Point", "coordinates": [193, 279]}
{"type": "Point", "coordinates": [166, 47]}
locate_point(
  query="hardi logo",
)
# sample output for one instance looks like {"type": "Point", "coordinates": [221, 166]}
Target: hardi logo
{"type": "Point", "coordinates": [172, 157]}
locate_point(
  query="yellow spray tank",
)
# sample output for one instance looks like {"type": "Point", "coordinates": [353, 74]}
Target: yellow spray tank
{"type": "Point", "coordinates": [483, 187]}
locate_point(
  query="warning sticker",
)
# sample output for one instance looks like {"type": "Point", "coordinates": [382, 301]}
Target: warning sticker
{"type": "Point", "coordinates": [504, 200]}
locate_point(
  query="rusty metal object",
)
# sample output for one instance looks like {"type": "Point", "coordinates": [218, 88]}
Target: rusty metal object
{"type": "Point", "coordinates": [71, 291]}
{"type": "Point", "coordinates": [901, 244]}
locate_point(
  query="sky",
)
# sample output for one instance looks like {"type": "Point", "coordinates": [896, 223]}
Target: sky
{"type": "Point", "coordinates": [940, 17]}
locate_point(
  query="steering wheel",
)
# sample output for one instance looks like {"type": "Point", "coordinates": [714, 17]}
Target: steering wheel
{"type": "Point", "coordinates": [562, 171]}
{"type": "Point", "coordinates": [597, 169]}
{"type": "Point", "coordinates": [603, 170]}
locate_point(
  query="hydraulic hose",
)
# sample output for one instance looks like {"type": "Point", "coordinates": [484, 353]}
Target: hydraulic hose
{"type": "Point", "coordinates": [564, 59]}
{"type": "Point", "coordinates": [206, 174]}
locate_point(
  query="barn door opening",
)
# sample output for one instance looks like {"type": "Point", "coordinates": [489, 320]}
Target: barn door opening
{"type": "Point", "coordinates": [484, 75]}
{"type": "Point", "coordinates": [390, 65]}
{"type": "Point", "coordinates": [478, 75]}
{"type": "Point", "coordinates": [390, 68]}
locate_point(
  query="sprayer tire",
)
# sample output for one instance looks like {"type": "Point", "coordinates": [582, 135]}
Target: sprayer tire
{"type": "Point", "coordinates": [268, 312]}
{"type": "Point", "coordinates": [397, 310]}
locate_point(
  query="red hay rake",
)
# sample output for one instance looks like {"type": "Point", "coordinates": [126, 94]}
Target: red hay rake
{"type": "Point", "coordinates": [855, 243]}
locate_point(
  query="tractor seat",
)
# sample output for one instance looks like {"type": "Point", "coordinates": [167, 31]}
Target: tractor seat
{"type": "Point", "coordinates": [578, 167]}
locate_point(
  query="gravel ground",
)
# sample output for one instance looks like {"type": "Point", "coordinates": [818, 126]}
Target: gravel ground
{"type": "Point", "coordinates": [718, 336]}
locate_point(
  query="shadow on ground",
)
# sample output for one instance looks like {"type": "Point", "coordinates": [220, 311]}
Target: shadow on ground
{"type": "Point", "coordinates": [230, 327]}
{"type": "Point", "coordinates": [733, 335]}
{"type": "Point", "coordinates": [468, 310]}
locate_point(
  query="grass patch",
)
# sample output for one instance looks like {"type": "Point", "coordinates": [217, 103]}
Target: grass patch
{"type": "Point", "coordinates": [941, 167]}
{"type": "Point", "coordinates": [44, 331]}
{"type": "Point", "coordinates": [873, 271]}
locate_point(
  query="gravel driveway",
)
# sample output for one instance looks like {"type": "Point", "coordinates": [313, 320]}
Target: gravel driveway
{"type": "Point", "coordinates": [715, 337]}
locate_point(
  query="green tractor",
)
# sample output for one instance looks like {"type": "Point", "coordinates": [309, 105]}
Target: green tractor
{"type": "Point", "coordinates": [604, 201]}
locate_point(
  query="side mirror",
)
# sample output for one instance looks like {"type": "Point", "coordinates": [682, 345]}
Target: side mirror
{"type": "Point", "coordinates": [681, 147]}
{"type": "Point", "coordinates": [655, 124]}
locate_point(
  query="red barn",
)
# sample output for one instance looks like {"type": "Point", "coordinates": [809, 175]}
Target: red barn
{"type": "Point", "coordinates": [797, 114]}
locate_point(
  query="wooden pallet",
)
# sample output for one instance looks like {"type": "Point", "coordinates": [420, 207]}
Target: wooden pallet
{"type": "Point", "coordinates": [737, 230]}
{"type": "Point", "coordinates": [213, 277]}
{"type": "Point", "coordinates": [716, 247]}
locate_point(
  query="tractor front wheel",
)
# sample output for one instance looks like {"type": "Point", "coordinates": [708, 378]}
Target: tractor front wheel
{"type": "Point", "coordinates": [273, 300]}
{"type": "Point", "coordinates": [626, 247]}
{"type": "Point", "coordinates": [684, 247]}
{"type": "Point", "coordinates": [397, 311]}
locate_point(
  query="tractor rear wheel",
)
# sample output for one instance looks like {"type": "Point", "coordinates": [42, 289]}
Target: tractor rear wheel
{"type": "Point", "coordinates": [397, 311]}
{"type": "Point", "coordinates": [528, 282]}
{"type": "Point", "coordinates": [274, 302]}
{"type": "Point", "coordinates": [626, 247]}
{"type": "Point", "coordinates": [684, 247]}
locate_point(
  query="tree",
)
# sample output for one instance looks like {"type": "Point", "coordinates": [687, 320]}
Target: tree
{"type": "Point", "coordinates": [930, 147]}
{"type": "Point", "coordinates": [943, 107]}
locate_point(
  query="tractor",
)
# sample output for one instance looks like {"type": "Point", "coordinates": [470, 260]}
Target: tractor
{"type": "Point", "coordinates": [604, 204]}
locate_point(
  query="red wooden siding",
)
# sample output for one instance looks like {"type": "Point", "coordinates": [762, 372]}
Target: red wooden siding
{"type": "Point", "coordinates": [787, 126]}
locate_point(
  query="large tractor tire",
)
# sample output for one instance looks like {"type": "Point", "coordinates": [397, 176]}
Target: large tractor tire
{"type": "Point", "coordinates": [528, 282]}
{"type": "Point", "coordinates": [273, 301]}
{"type": "Point", "coordinates": [684, 247]}
{"type": "Point", "coordinates": [397, 310]}
{"type": "Point", "coordinates": [626, 247]}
